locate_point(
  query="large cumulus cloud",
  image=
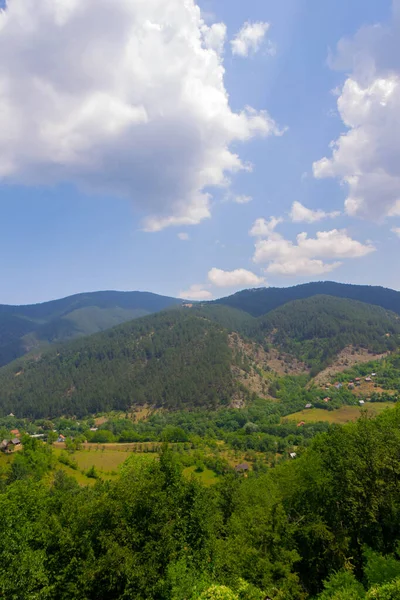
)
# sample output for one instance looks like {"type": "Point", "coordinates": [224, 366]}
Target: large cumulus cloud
{"type": "Point", "coordinates": [366, 156]}
{"type": "Point", "coordinates": [124, 97]}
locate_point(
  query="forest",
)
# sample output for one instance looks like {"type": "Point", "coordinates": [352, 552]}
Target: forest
{"type": "Point", "coordinates": [325, 525]}
{"type": "Point", "coordinates": [184, 358]}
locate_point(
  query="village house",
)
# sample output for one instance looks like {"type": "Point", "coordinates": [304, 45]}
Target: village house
{"type": "Point", "coordinates": [292, 454]}
{"type": "Point", "coordinates": [8, 446]}
{"type": "Point", "coordinates": [15, 432]}
{"type": "Point", "coordinates": [327, 399]}
{"type": "Point", "coordinates": [61, 438]}
{"type": "Point", "coordinates": [361, 402]}
{"type": "Point", "coordinates": [242, 468]}
{"type": "Point", "coordinates": [308, 406]}
{"type": "Point", "coordinates": [301, 424]}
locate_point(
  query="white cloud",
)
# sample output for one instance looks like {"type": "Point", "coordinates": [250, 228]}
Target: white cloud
{"type": "Point", "coordinates": [302, 214]}
{"type": "Point", "coordinates": [236, 278]}
{"type": "Point", "coordinates": [242, 199]}
{"type": "Point", "coordinates": [184, 237]}
{"type": "Point", "coordinates": [124, 98]}
{"type": "Point", "coordinates": [365, 158]}
{"type": "Point", "coordinates": [250, 38]}
{"type": "Point", "coordinates": [264, 228]}
{"type": "Point", "coordinates": [196, 292]}
{"type": "Point", "coordinates": [304, 257]}
{"type": "Point", "coordinates": [396, 230]}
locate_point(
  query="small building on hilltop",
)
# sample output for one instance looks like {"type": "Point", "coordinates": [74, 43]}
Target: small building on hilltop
{"type": "Point", "coordinates": [61, 438]}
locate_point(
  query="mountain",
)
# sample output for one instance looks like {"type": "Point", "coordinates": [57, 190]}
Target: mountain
{"type": "Point", "coordinates": [24, 328]}
{"type": "Point", "coordinates": [317, 329]}
{"type": "Point", "coordinates": [258, 302]}
{"type": "Point", "coordinates": [204, 356]}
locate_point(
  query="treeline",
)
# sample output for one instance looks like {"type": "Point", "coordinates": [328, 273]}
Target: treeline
{"type": "Point", "coordinates": [172, 360]}
{"type": "Point", "coordinates": [326, 526]}
{"type": "Point", "coordinates": [258, 302]}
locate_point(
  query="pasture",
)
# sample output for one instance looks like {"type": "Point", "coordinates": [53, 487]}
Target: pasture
{"type": "Point", "coordinates": [342, 415]}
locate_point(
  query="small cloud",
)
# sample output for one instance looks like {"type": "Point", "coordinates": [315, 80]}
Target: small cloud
{"type": "Point", "coordinates": [301, 214]}
{"type": "Point", "coordinates": [250, 39]}
{"type": "Point", "coordinates": [196, 292]}
{"type": "Point", "coordinates": [242, 199]}
{"type": "Point", "coordinates": [396, 230]}
{"type": "Point", "coordinates": [236, 278]}
{"type": "Point", "coordinates": [264, 228]}
{"type": "Point", "coordinates": [184, 237]}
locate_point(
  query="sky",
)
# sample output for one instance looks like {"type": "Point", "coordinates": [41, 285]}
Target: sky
{"type": "Point", "coordinates": [196, 148]}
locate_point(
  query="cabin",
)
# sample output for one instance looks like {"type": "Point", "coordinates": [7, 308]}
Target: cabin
{"type": "Point", "coordinates": [327, 399]}
{"type": "Point", "coordinates": [351, 386]}
{"type": "Point", "coordinates": [373, 374]}
{"type": "Point", "coordinates": [242, 468]}
{"type": "Point", "coordinates": [61, 438]}
{"type": "Point", "coordinates": [8, 446]}
{"type": "Point", "coordinates": [308, 406]}
{"type": "Point", "coordinates": [361, 402]}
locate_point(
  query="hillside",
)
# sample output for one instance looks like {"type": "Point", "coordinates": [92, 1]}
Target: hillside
{"type": "Point", "coordinates": [317, 329]}
{"type": "Point", "coordinates": [172, 359]}
{"type": "Point", "coordinates": [258, 302]}
{"type": "Point", "coordinates": [24, 328]}
{"type": "Point", "coordinates": [193, 357]}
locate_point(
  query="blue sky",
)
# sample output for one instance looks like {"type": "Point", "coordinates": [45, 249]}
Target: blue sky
{"type": "Point", "coordinates": [86, 206]}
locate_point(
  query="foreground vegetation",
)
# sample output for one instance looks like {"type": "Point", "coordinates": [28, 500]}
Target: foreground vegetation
{"type": "Point", "coordinates": [325, 525]}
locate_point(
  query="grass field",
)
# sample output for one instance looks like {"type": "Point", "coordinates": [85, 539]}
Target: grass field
{"type": "Point", "coordinates": [344, 414]}
{"type": "Point", "coordinates": [207, 477]}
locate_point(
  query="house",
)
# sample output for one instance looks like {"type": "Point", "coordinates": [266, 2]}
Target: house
{"type": "Point", "coordinates": [37, 435]}
{"type": "Point", "coordinates": [368, 379]}
{"type": "Point", "coordinates": [94, 429]}
{"type": "Point", "coordinates": [361, 402]}
{"type": "Point", "coordinates": [292, 454]}
{"type": "Point", "coordinates": [338, 385]}
{"type": "Point", "coordinates": [358, 378]}
{"type": "Point", "coordinates": [301, 424]}
{"type": "Point", "coordinates": [308, 406]}
{"type": "Point", "coordinates": [61, 438]}
{"type": "Point", "coordinates": [11, 415]}
{"type": "Point", "coordinates": [242, 468]}
{"type": "Point", "coordinates": [327, 399]}
{"type": "Point", "coordinates": [351, 386]}
{"type": "Point", "coordinates": [373, 374]}
{"type": "Point", "coordinates": [15, 432]}
{"type": "Point", "coordinates": [8, 446]}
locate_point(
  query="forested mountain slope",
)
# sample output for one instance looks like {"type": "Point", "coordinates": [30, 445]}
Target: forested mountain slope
{"type": "Point", "coordinates": [185, 358]}
{"type": "Point", "coordinates": [315, 330]}
{"type": "Point", "coordinates": [172, 359]}
{"type": "Point", "coordinates": [258, 302]}
{"type": "Point", "coordinates": [23, 328]}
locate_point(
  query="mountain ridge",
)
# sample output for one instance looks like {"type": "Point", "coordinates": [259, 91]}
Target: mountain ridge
{"type": "Point", "coordinates": [185, 359]}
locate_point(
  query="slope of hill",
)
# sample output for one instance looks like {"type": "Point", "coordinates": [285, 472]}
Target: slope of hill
{"type": "Point", "coordinates": [258, 302]}
{"type": "Point", "coordinates": [171, 359]}
{"type": "Point", "coordinates": [317, 329]}
{"type": "Point", "coordinates": [23, 328]}
{"type": "Point", "coordinates": [189, 358]}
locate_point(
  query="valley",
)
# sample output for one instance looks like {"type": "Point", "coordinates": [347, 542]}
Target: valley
{"type": "Point", "coordinates": [209, 429]}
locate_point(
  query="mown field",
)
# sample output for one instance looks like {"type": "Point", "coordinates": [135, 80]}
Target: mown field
{"type": "Point", "coordinates": [344, 414]}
